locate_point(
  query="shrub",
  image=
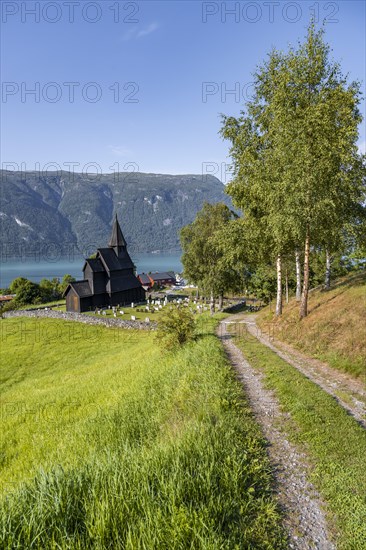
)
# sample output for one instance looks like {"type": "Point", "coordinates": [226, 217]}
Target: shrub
{"type": "Point", "coordinates": [28, 293]}
{"type": "Point", "coordinates": [176, 327]}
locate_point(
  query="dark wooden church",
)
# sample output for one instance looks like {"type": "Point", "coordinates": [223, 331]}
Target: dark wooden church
{"type": "Point", "coordinates": [109, 279]}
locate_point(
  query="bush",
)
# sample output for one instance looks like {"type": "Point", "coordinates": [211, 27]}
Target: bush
{"type": "Point", "coordinates": [176, 327]}
{"type": "Point", "coordinates": [7, 306]}
{"type": "Point", "coordinates": [28, 293]}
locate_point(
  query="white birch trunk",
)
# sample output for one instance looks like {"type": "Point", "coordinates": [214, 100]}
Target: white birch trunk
{"type": "Point", "coordinates": [328, 265]}
{"type": "Point", "coordinates": [212, 304]}
{"type": "Point", "coordinates": [279, 287]}
{"type": "Point", "coordinates": [305, 288]}
{"type": "Point", "coordinates": [298, 276]}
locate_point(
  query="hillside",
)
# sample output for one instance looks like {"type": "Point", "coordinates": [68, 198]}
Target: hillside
{"type": "Point", "coordinates": [335, 329]}
{"type": "Point", "coordinates": [108, 443]}
{"type": "Point", "coordinates": [75, 211]}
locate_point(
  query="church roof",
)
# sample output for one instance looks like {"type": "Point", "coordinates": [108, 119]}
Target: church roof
{"type": "Point", "coordinates": [162, 275]}
{"type": "Point", "coordinates": [123, 283]}
{"type": "Point", "coordinates": [81, 288]}
{"type": "Point", "coordinates": [117, 238]}
{"type": "Point", "coordinates": [145, 280]}
{"type": "Point", "coordinates": [95, 264]}
{"type": "Point", "coordinates": [113, 262]}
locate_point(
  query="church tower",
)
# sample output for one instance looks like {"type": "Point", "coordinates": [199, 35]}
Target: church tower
{"type": "Point", "coordinates": [109, 278]}
{"type": "Point", "coordinates": [117, 240]}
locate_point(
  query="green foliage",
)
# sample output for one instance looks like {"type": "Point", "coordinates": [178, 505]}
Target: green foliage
{"type": "Point", "coordinates": [17, 284]}
{"type": "Point", "coordinates": [50, 289]}
{"type": "Point", "coordinates": [8, 306]}
{"type": "Point", "coordinates": [263, 283]}
{"type": "Point", "coordinates": [122, 447]}
{"type": "Point", "coordinates": [27, 292]}
{"type": "Point", "coordinates": [205, 260]}
{"type": "Point", "coordinates": [176, 328]}
{"type": "Point", "coordinates": [340, 266]}
{"type": "Point", "coordinates": [298, 176]}
{"type": "Point", "coordinates": [66, 279]}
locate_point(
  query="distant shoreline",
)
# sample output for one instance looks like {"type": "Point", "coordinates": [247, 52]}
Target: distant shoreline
{"type": "Point", "coordinates": [37, 269]}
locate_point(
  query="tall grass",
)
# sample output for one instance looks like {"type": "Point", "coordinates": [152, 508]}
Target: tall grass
{"type": "Point", "coordinates": [162, 451]}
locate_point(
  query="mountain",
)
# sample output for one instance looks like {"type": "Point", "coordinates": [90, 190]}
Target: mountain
{"type": "Point", "coordinates": [61, 212]}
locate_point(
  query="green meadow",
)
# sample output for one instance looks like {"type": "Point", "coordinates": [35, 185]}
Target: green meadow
{"type": "Point", "coordinates": [109, 443]}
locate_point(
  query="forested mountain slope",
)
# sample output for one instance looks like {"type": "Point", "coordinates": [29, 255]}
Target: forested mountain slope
{"type": "Point", "coordinates": [74, 210]}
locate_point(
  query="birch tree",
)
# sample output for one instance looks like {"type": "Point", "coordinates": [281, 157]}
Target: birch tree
{"type": "Point", "coordinates": [295, 158]}
{"type": "Point", "coordinates": [315, 118]}
{"type": "Point", "coordinates": [204, 261]}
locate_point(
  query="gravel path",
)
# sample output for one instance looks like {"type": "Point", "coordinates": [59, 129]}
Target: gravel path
{"type": "Point", "coordinates": [348, 391]}
{"type": "Point", "coordinates": [304, 517]}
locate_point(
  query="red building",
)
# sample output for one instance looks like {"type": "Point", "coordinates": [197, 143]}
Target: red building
{"type": "Point", "coordinates": [165, 278]}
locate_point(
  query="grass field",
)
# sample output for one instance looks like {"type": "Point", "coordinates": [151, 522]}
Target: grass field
{"type": "Point", "coordinates": [137, 313]}
{"type": "Point", "coordinates": [108, 443]}
{"type": "Point", "coordinates": [55, 305]}
{"type": "Point", "coordinates": [127, 312]}
{"type": "Point", "coordinates": [335, 329]}
{"type": "Point", "coordinates": [334, 441]}
{"type": "Point", "coordinates": [61, 307]}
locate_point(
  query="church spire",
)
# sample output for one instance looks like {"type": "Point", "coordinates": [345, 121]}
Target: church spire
{"type": "Point", "coordinates": [117, 240]}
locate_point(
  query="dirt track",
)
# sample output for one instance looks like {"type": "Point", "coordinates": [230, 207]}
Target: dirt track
{"type": "Point", "coordinates": [303, 510]}
{"type": "Point", "coordinates": [349, 392]}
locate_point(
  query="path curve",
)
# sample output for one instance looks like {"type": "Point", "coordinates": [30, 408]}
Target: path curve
{"type": "Point", "coordinates": [349, 392]}
{"type": "Point", "coordinates": [304, 519]}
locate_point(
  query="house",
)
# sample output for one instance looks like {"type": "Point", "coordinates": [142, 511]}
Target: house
{"type": "Point", "coordinates": [4, 298]}
{"type": "Point", "coordinates": [109, 278]}
{"type": "Point", "coordinates": [145, 280]}
{"type": "Point", "coordinates": [165, 278]}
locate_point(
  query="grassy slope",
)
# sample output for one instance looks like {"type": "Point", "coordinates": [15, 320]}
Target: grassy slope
{"type": "Point", "coordinates": [123, 447]}
{"type": "Point", "coordinates": [335, 329]}
{"type": "Point", "coordinates": [335, 443]}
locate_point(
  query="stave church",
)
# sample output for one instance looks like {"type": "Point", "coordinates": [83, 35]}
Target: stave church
{"type": "Point", "coordinates": [109, 278]}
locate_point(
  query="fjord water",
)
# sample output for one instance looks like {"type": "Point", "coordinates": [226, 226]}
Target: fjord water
{"type": "Point", "coordinates": [35, 270]}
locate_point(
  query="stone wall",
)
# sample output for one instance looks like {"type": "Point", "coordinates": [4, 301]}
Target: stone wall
{"type": "Point", "coordinates": [80, 318]}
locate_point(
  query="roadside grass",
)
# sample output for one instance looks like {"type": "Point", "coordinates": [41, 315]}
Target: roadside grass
{"type": "Point", "coordinates": [108, 443]}
{"type": "Point", "coordinates": [335, 329]}
{"type": "Point", "coordinates": [335, 442]}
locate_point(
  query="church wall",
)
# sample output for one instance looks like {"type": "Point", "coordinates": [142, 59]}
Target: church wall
{"type": "Point", "coordinates": [72, 301]}
{"type": "Point", "coordinates": [99, 283]}
{"type": "Point", "coordinates": [101, 300]}
{"type": "Point", "coordinates": [127, 296]}
{"type": "Point", "coordinates": [88, 274]}
{"type": "Point", "coordinates": [86, 304]}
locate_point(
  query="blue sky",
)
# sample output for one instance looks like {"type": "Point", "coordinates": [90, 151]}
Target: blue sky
{"type": "Point", "coordinates": [157, 57]}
